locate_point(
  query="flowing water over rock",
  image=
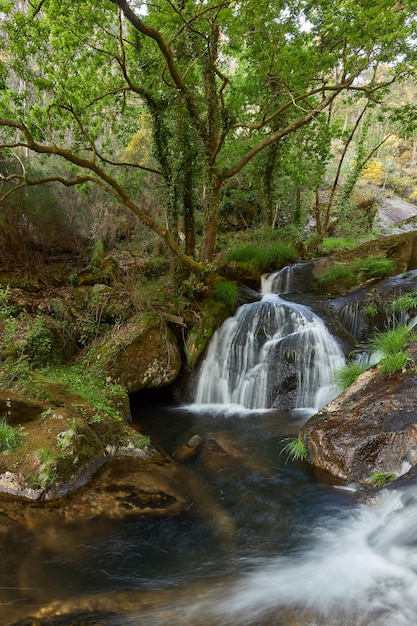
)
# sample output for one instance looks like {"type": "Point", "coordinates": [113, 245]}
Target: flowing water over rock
{"type": "Point", "coordinates": [271, 354]}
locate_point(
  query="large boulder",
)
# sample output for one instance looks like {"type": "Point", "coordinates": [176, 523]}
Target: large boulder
{"type": "Point", "coordinates": [143, 353]}
{"type": "Point", "coordinates": [49, 449]}
{"type": "Point", "coordinates": [369, 430]}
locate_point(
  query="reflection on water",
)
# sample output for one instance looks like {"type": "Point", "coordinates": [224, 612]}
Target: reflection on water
{"type": "Point", "coordinates": [263, 544]}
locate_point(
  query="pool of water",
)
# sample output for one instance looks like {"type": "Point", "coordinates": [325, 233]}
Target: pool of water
{"type": "Point", "coordinates": [265, 542]}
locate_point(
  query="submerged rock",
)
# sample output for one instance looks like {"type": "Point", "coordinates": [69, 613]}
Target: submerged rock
{"type": "Point", "coordinates": [370, 429]}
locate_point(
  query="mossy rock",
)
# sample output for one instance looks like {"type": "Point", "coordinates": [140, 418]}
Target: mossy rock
{"type": "Point", "coordinates": [107, 272]}
{"type": "Point", "coordinates": [198, 338]}
{"type": "Point", "coordinates": [26, 282]}
{"type": "Point", "coordinates": [60, 448]}
{"type": "Point", "coordinates": [143, 353]}
{"type": "Point", "coordinates": [103, 302]}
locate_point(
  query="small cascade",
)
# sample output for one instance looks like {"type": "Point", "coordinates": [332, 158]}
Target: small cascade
{"type": "Point", "coordinates": [271, 354]}
{"type": "Point", "coordinates": [354, 320]}
{"type": "Point", "coordinates": [290, 279]}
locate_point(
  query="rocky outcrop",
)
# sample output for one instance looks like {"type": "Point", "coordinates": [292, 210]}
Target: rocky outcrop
{"type": "Point", "coordinates": [369, 429]}
{"type": "Point", "coordinates": [57, 447]}
{"type": "Point", "coordinates": [143, 353]}
{"type": "Point", "coordinates": [401, 249]}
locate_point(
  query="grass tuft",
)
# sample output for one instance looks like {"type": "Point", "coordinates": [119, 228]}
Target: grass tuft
{"type": "Point", "coordinates": [10, 437]}
{"type": "Point", "coordinates": [347, 376]}
{"type": "Point", "coordinates": [382, 478]}
{"type": "Point", "coordinates": [295, 450]}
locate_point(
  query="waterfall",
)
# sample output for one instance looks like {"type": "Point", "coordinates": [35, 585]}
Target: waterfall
{"type": "Point", "coordinates": [271, 354]}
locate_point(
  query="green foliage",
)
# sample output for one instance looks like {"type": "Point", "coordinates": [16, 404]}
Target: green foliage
{"type": "Point", "coordinates": [393, 363]}
{"type": "Point", "coordinates": [295, 450]}
{"type": "Point", "coordinates": [333, 244]}
{"type": "Point", "coordinates": [375, 267]}
{"type": "Point", "coordinates": [263, 257]}
{"type": "Point", "coordinates": [394, 341]}
{"type": "Point", "coordinates": [39, 343]}
{"type": "Point", "coordinates": [6, 309]}
{"type": "Point", "coordinates": [104, 396]}
{"type": "Point", "coordinates": [226, 292]}
{"type": "Point", "coordinates": [371, 309]}
{"type": "Point", "coordinates": [338, 272]}
{"type": "Point", "coordinates": [98, 253]}
{"type": "Point", "coordinates": [392, 345]}
{"type": "Point", "coordinates": [369, 267]}
{"type": "Point", "coordinates": [48, 471]}
{"type": "Point", "coordinates": [380, 479]}
{"type": "Point", "coordinates": [406, 302]}
{"type": "Point", "coordinates": [346, 376]}
{"type": "Point", "coordinates": [10, 437]}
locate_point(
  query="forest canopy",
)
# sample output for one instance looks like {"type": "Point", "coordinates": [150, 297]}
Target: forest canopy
{"type": "Point", "coordinates": [194, 100]}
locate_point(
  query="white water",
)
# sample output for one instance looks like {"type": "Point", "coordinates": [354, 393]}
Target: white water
{"type": "Point", "coordinates": [359, 571]}
{"type": "Point", "coordinates": [363, 570]}
{"type": "Point", "coordinates": [272, 353]}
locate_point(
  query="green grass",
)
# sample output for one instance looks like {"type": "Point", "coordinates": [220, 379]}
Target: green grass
{"type": "Point", "coordinates": [392, 345]}
{"type": "Point", "coordinates": [264, 257]}
{"type": "Point", "coordinates": [226, 292]}
{"type": "Point", "coordinates": [394, 341]}
{"type": "Point", "coordinates": [406, 302]}
{"type": "Point", "coordinates": [93, 388]}
{"type": "Point", "coordinates": [393, 363]}
{"type": "Point", "coordinates": [338, 272]}
{"type": "Point", "coordinates": [10, 437]}
{"type": "Point", "coordinates": [382, 478]}
{"type": "Point", "coordinates": [375, 266]}
{"type": "Point", "coordinates": [370, 267]}
{"type": "Point", "coordinates": [332, 244]}
{"type": "Point", "coordinates": [295, 450]}
{"type": "Point", "coordinates": [371, 309]}
{"type": "Point", "coordinates": [347, 376]}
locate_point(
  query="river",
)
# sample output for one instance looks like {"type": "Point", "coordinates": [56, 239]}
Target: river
{"type": "Point", "coordinates": [266, 542]}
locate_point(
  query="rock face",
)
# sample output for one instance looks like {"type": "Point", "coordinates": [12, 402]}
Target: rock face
{"type": "Point", "coordinates": [370, 428]}
{"type": "Point", "coordinates": [143, 353]}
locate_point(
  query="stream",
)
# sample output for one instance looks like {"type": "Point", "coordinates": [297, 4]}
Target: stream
{"type": "Point", "coordinates": [268, 542]}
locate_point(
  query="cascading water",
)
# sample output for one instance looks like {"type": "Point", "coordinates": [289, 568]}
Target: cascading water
{"type": "Point", "coordinates": [271, 354]}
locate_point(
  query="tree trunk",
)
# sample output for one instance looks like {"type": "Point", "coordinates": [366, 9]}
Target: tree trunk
{"type": "Point", "coordinates": [211, 223]}
{"type": "Point", "coordinates": [189, 217]}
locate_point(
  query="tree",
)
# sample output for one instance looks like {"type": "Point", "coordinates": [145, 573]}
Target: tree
{"type": "Point", "coordinates": [222, 81]}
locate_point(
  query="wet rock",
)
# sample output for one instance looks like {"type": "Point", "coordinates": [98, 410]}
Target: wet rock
{"type": "Point", "coordinates": [370, 428]}
{"type": "Point", "coordinates": [189, 450]}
